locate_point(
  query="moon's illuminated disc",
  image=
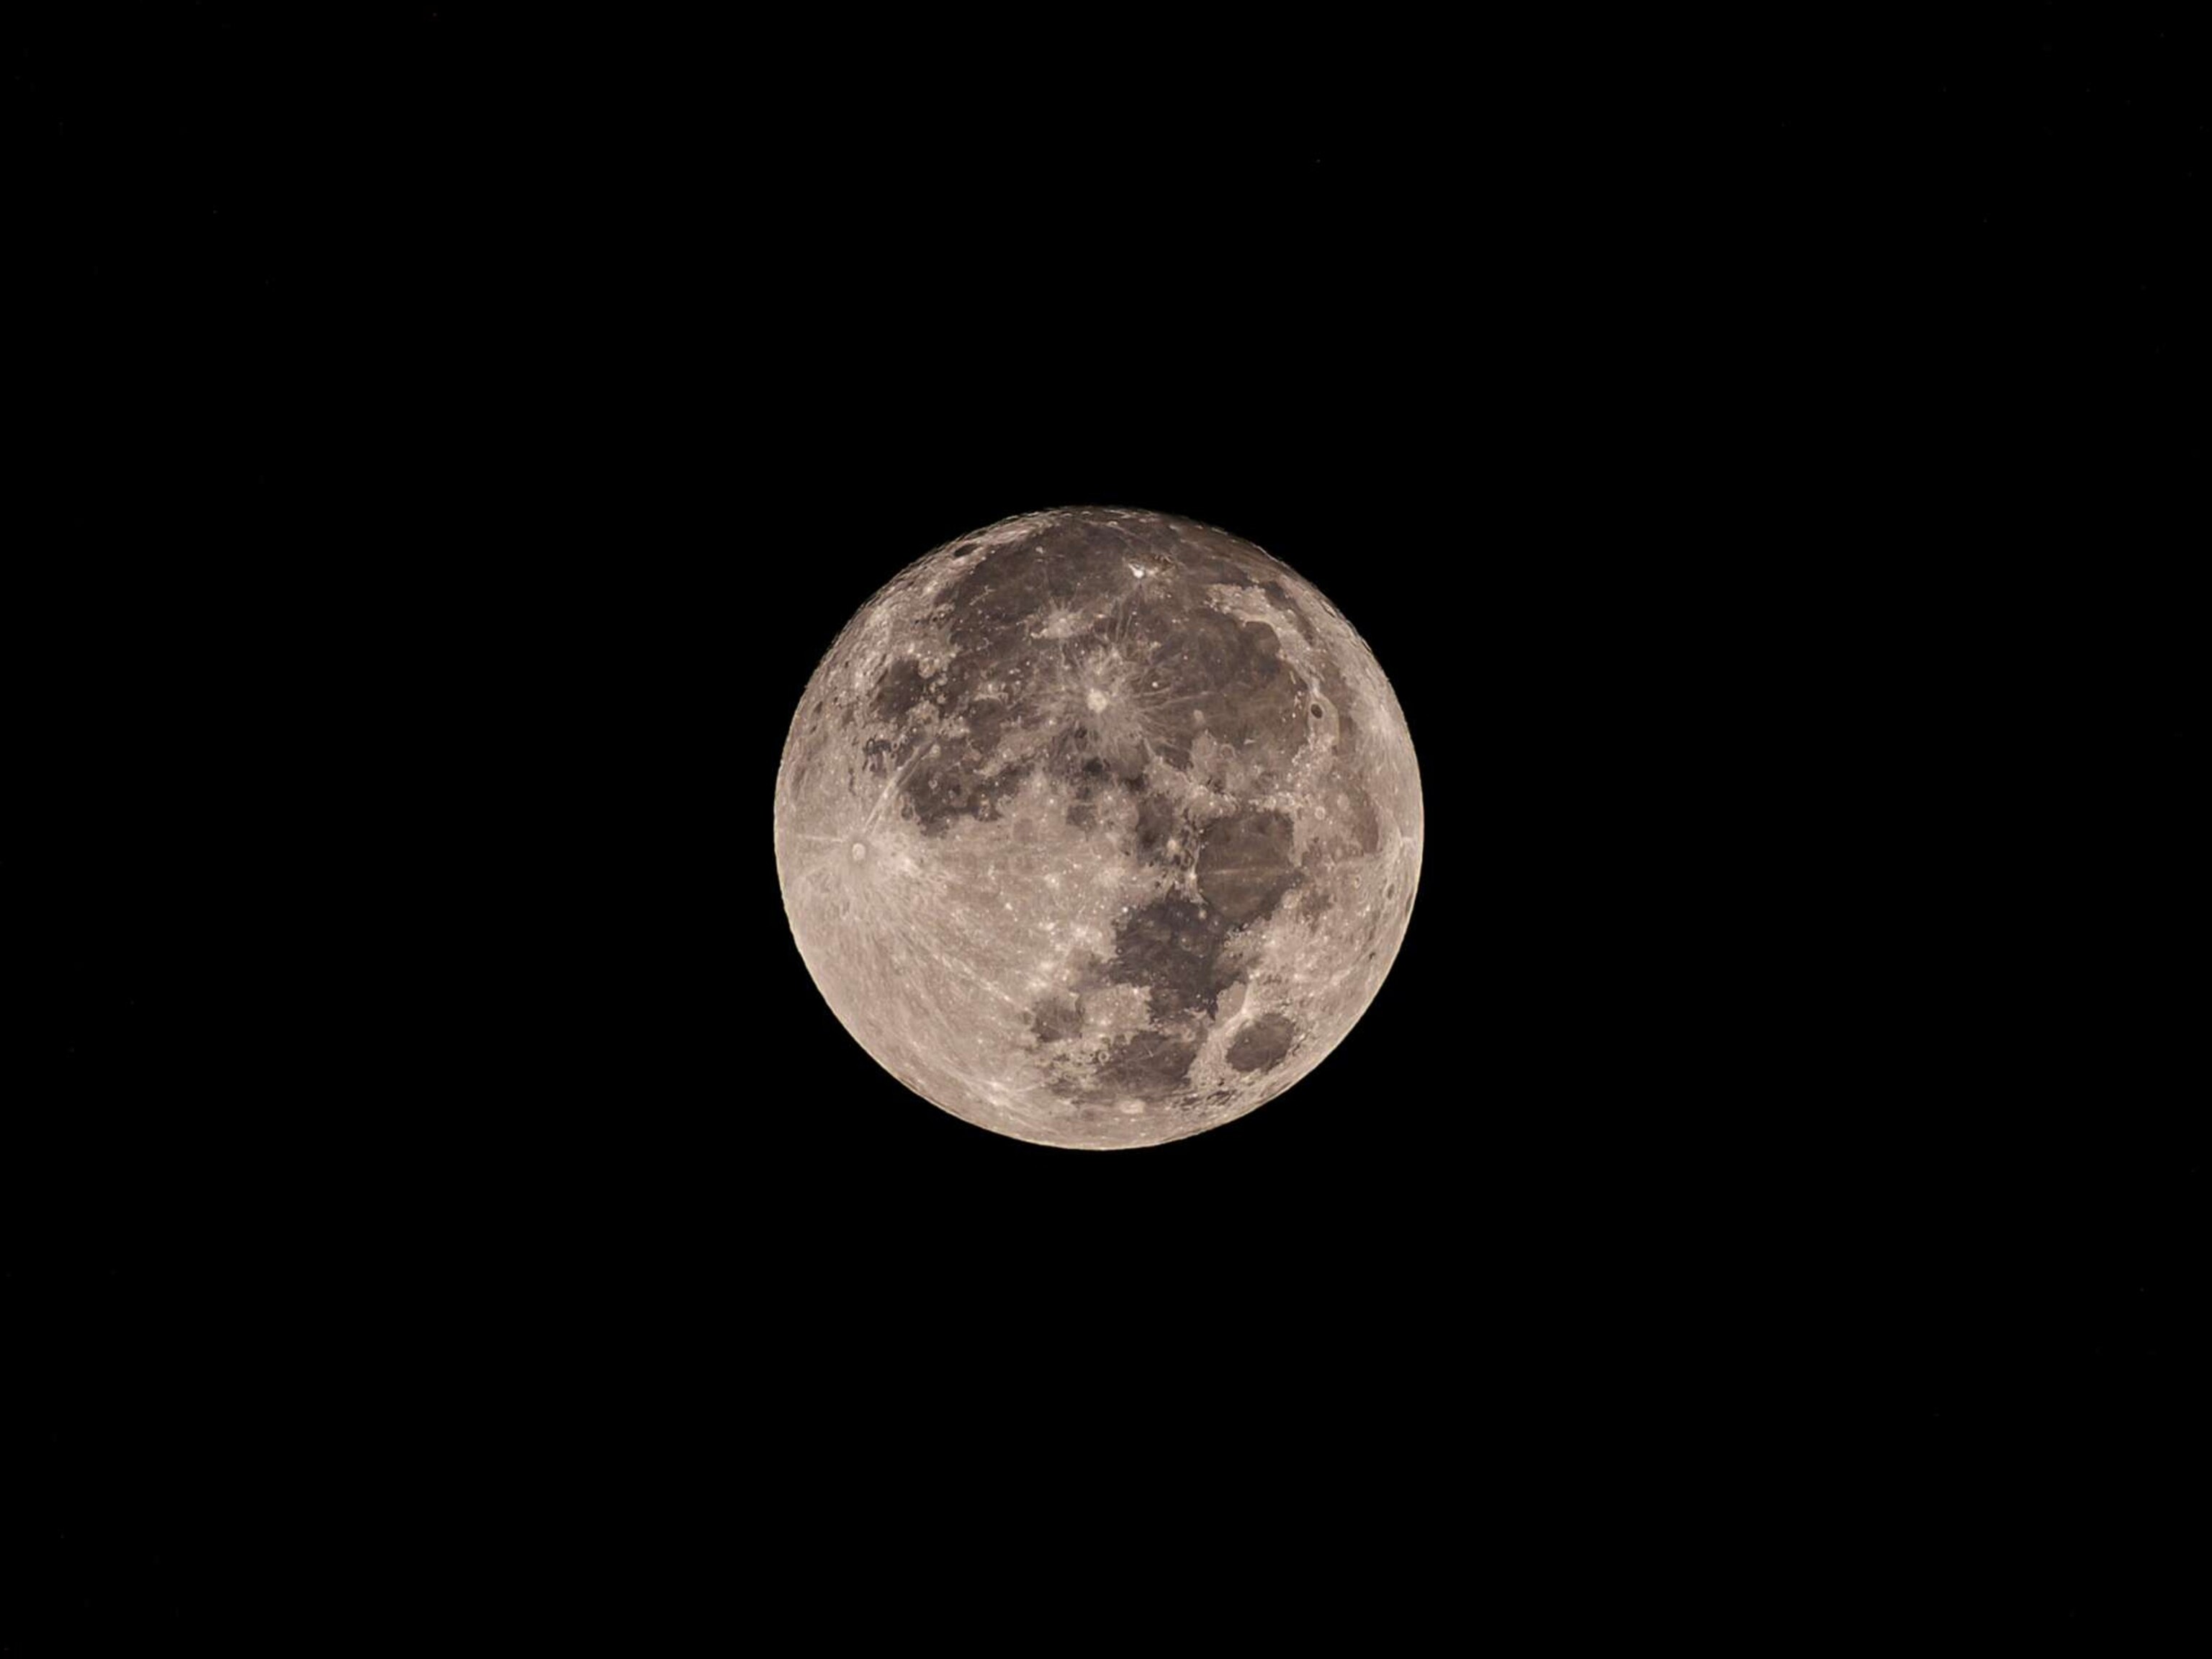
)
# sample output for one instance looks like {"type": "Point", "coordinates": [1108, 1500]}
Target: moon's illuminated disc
{"type": "Point", "coordinates": [1099, 828]}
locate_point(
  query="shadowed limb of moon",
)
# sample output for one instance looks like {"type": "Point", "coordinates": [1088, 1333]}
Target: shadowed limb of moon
{"type": "Point", "coordinates": [1099, 828]}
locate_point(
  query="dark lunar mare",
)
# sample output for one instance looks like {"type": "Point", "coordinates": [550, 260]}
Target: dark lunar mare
{"type": "Point", "coordinates": [1245, 864]}
{"type": "Point", "coordinates": [1218, 673]}
{"type": "Point", "coordinates": [1261, 1045]}
{"type": "Point", "coordinates": [1172, 949]}
{"type": "Point", "coordinates": [1151, 1065]}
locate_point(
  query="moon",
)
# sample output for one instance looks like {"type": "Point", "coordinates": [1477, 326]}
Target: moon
{"type": "Point", "coordinates": [1099, 828]}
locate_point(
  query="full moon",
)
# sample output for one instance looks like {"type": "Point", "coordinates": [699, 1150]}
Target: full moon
{"type": "Point", "coordinates": [1099, 828]}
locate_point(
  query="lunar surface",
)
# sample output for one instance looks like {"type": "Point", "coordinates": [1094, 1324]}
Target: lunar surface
{"type": "Point", "coordinates": [1099, 828]}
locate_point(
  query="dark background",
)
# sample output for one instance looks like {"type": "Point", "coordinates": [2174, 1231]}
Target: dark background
{"type": "Point", "coordinates": [1759, 465]}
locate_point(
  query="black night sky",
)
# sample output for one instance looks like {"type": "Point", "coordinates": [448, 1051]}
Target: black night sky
{"type": "Point", "coordinates": [434, 1194]}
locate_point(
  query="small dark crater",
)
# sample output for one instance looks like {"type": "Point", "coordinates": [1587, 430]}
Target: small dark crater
{"type": "Point", "coordinates": [1316, 711]}
{"type": "Point", "coordinates": [1083, 815]}
{"type": "Point", "coordinates": [1263, 1044]}
{"type": "Point", "coordinates": [875, 749]}
{"type": "Point", "coordinates": [1094, 768]}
